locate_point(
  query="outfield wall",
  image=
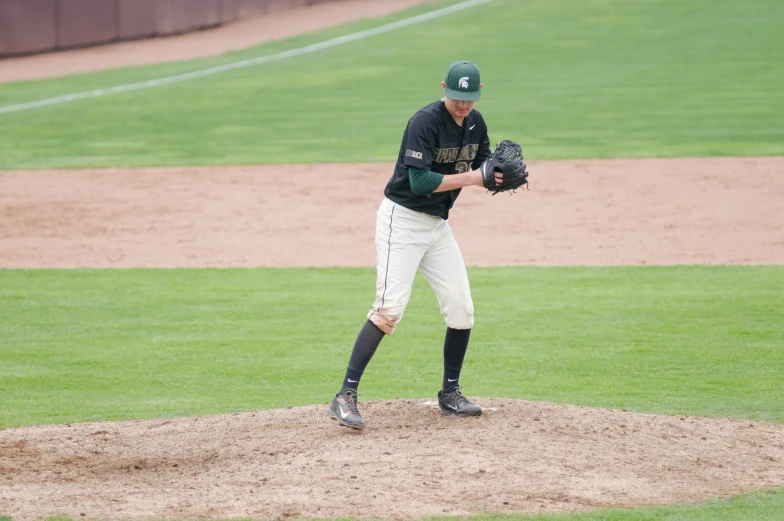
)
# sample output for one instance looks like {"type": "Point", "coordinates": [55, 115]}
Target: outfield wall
{"type": "Point", "coordinates": [36, 26]}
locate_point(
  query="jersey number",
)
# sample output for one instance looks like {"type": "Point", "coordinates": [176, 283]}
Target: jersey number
{"type": "Point", "coordinates": [462, 167]}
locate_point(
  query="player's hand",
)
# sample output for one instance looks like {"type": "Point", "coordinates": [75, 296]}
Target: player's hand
{"type": "Point", "coordinates": [476, 178]}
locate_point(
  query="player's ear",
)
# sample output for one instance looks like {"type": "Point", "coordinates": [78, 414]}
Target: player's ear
{"type": "Point", "coordinates": [480, 85]}
{"type": "Point", "coordinates": [443, 85]}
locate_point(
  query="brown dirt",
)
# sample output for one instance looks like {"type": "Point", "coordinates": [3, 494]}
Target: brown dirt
{"type": "Point", "coordinates": [410, 462]}
{"type": "Point", "coordinates": [615, 212]}
{"type": "Point", "coordinates": [210, 42]}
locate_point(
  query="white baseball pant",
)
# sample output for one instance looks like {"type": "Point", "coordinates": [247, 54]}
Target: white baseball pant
{"type": "Point", "coordinates": [407, 240]}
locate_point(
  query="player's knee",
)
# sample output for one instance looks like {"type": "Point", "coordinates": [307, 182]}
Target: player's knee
{"type": "Point", "coordinates": [459, 315]}
{"type": "Point", "coordinates": [385, 319]}
{"type": "Point", "coordinates": [460, 322]}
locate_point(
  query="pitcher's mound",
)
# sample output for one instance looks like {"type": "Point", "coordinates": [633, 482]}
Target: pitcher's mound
{"type": "Point", "coordinates": [409, 462]}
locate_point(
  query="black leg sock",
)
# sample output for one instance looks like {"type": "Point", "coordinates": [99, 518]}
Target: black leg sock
{"type": "Point", "coordinates": [455, 346]}
{"type": "Point", "coordinates": [364, 348]}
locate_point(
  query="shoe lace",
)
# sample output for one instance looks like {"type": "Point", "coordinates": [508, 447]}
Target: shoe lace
{"type": "Point", "coordinates": [351, 400]}
{"type": "Point", "coordinates": [458, 395]}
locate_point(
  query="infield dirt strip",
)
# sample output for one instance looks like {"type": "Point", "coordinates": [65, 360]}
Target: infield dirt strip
{"type": "Point", "coordinates": [612, 212]}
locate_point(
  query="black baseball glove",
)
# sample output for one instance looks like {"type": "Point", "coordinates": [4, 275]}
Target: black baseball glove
{"type": "Point", "coordinates": [507, 159]}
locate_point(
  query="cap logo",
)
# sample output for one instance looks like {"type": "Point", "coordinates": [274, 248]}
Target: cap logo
{"type": "Point", "coordinates": [463, 82]}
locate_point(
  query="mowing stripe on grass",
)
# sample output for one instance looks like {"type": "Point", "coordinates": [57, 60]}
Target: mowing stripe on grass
{"type": "Point", "coordinates": [245, 63]}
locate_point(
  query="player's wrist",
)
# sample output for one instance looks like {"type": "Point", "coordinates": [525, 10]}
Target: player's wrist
{"type": "Point", "coordinates": [476, 177]}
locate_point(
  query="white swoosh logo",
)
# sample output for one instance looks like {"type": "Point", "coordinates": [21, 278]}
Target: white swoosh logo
{"type": "Point", "coordinates": [342, 412]}
{"type": "Point", "coordinates": [352, 381]}
{"type": "Point", "coordinates": [471, 127]}
{"type": "Point", "coordinates": [448, 380]}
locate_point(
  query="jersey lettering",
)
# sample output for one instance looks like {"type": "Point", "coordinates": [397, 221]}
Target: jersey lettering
{"type": "Point", "coordinates": [445, 155]}
{"type": "Point", "coordinates": [468, 153]}
{"type": "Point", "coordinates": [450, 155]}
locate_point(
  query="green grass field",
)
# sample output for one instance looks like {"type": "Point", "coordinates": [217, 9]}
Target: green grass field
{"type": "Point", "coordinates": [118, 344]}
{"type": "Point", "coordinates": [596, 78]}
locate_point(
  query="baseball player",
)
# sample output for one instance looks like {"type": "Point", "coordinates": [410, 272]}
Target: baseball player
{"type": "Point", "coordinates": [443, 145]}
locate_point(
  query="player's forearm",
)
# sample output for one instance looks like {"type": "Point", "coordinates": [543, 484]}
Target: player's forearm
{"type": "Point", "coordinates": [451, 182]}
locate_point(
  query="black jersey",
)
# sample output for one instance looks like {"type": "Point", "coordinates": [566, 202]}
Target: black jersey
{"type": "Point", "coordinates": [433, 141]}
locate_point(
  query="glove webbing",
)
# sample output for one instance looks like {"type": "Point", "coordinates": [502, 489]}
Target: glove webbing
{"type": "Point", "coordinates": [509, 152]}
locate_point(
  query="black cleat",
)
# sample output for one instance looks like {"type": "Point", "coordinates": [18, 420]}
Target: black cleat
{"type": "Point", "coordinates": [344, 409]}
{"type": "Point", "coordinates": [452, 402]}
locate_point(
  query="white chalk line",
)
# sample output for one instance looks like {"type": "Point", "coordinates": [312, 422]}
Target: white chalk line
{"type": "Point", "coordinates": [245, 63]}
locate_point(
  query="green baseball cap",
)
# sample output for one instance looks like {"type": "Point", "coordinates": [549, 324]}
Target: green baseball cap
{"type": "Point", "coordinates": [462, 81]}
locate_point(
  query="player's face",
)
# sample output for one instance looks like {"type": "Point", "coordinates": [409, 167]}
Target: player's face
{"type": "Point", "coordinates": [459, 109]}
